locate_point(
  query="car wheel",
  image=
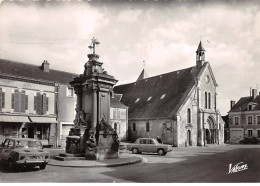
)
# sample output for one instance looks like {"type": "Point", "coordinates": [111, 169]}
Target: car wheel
{"type": "Point", "coordinates": [42, 166]}
{"type": "Point", "coordinates": [134, 151]}
{"type": "Point", "coordinates": [11, 165]}
{"type": "Point", "coordinates": [161, 152]}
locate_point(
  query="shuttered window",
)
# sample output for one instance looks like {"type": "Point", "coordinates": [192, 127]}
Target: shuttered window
{"type": "Point", "coordinates": [2, 99]}
{"type": "Point", "coordinates": [41, 103]}
{"type": "Point", "coordinates": [19, 101]}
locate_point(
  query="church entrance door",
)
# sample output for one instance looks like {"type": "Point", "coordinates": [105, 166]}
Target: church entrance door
{"type": "Point", "coordinates": [189, 143]}
{"type": "Point", "coordinates": [207, 136]}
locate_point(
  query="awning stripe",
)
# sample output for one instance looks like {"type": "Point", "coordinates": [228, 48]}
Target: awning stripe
{"type": "Point", "coordinates": [20, 119]}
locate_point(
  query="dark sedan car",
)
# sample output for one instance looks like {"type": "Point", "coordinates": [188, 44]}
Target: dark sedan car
{"type": "Point", "coordinates": [249, 141]}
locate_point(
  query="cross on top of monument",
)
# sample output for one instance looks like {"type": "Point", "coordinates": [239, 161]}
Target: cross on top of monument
{"type": "Point", "coordinates": [93, 44]}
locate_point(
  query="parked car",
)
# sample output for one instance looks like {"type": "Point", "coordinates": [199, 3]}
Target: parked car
{"type": "Point", "coordinates": [249, 141]}
{"type": "Point", "coordinates": [23, 152]}
{"type": "Point", "coordinates": [148, 145]}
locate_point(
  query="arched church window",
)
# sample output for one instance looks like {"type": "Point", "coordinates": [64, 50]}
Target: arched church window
{"type": "Point", "coordinates": [188, 115]}
{"type": "Point", "coordinates": [209, 102]}
{"type": "Point", "coordinates": [147, 126]}
{"type": "Point", "coordinates": [206, 99]}
{"type": "Point", "coordinates": [134, 126]}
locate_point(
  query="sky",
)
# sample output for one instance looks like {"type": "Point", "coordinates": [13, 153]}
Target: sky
{"type": "Point", "coordinates": [164, 34]}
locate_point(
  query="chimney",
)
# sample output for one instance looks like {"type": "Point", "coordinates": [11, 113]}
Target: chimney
{"type": "Point", "coordinates": [232, 103]}
{"type": "Point", "coordinates": [45, 66]}
{"type": "Point", "coordinates": [254, 93]}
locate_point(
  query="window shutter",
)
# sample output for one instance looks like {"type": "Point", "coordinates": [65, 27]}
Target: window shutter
{"type": "Point", "coordinates": [114, 113]}
{"type": "Point", "coordinates": [16, 101]}
{"type": "Point", "coordinates": [38, 103]}
{"type": "Point", "coordinates": [47, 103]}
{"type": "Point", "coordinates": [12, 100]}
{"type": "Point", "coordinates": [26, 102]}
{"type": "Point", "coordinates": [3, 99]}
{"type": "Point", "coordinates": [22, 102]}
{"type": "Point", "coordinates": [118, 114]}
{"type": "Point", "coordinates": [111, 113]}
{"type": "Point", "coordinates": [44, 104]}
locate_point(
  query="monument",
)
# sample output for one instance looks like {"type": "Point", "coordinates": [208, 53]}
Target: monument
{"type": "Point", "coordinates": [92, 137]}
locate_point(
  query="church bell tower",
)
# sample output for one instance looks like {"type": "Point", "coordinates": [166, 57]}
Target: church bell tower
{"type": "Point", "coordinates": [200, 55]}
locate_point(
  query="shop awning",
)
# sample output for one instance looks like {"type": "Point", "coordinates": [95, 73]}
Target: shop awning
{"type": "Point", "coordinates": [20, 119]}
{"type": "Point", "coordinates": [43, 120]}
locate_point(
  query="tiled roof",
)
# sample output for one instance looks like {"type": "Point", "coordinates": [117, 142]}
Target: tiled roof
{"type": "Point", "coordinates": [145, 97]}
{"type": "Point", "coordinates": [34, 72]}
{"type": "Point", "coordinates": [241, 105]}
{"type": "Point", "coordinates": [115, 103]}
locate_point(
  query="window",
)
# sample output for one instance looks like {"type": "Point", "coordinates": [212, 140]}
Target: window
{"type": "Point", "coordinates": [249, 107]}
{"type": "Point", "coordinates": [116, 114]}
{"type": "Point", "coordinates": [206, 99]}
{"type": "Point", "coordinates": [116, 127]}
{"type": "Point", "coordinates": [2, 99]}
{"type": "Point", "coordinates": [258, 133]}
{"type": "Point", "coordinates": [250, 133]}
{"type": "Point", "coordinates": [70, 92]}
{"type": "Point", "coordinates": [258, 119]}
{"type": "Point", "coordinates": [19, 101]}
{"type": "Point", "coordinates": [250, 120]}
{"type": "Point", "coordinates": [236, 120]}
{"type": "Point", "coordinates": [162, 96]}
{"type": "Point", "coordinates": [188, 116]}
{"type": "Point", "coordinates": [209, 102]}
{"type": "Point", "coordinates": [147, 126]}
{"type": "Point", "coordinates": [41, 103]}
{"type": "Point", "coordinates": [137, 100]}
{"type": "Point", "coordinates": [149, 98]}
{"type": "Point", "coordinates": [134, 126]}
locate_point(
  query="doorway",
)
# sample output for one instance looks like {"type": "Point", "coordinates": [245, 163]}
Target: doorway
{"type": "Point", "coordinates": [30, 132]}
{"type": "Point", "coordinates": [207, 136]}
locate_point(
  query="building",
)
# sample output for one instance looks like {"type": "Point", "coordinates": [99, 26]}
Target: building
{"type": "Point", "coordinates": [244, 117]}
{"type": "Point", "coordinates": [119, 117]}
{"type": "Point", "coordinates": [36, 102]}
{"type": "Point", "coordinates": [180, 106]}
{"type": "Point", "coordinates": [226, 129]}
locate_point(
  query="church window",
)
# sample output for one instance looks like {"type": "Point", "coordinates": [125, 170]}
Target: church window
{"type": "Point", "coordinates": [149, 98]}
{"type": "Point", "coordinates": [188, 115]}
{"type": "Point", "coordinates": [134, 126]}
{"type": "Point", "coordinates": [147, 126]}
{"type": "Point", "coordinates": [206, 99]}
{"type": "Point", "coordinates": [209, 102]}
{"type": "Point", "coordinates": [137, 100]}
{"type": "Point", "coordinates": [162, 96]}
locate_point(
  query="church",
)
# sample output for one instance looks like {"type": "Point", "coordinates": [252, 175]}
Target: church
{"type": "Point", "coordinates": [180, 107]}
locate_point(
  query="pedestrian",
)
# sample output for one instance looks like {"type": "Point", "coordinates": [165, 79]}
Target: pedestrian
{"type": "Point", "coordinates": [159, 139]}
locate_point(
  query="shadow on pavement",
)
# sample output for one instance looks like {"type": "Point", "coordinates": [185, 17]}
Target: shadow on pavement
{"type": "Point", "coordinates": [212, 166]}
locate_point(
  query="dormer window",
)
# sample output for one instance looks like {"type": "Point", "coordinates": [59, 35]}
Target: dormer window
{"type": "Point", "coordinates": [137, 100]}
{"type": "Point", "coordinates": [149, 98]}
{"type": "Point", "coordinates": [162, 96]}
{"type": "Point", "coordinates": [251, 106]}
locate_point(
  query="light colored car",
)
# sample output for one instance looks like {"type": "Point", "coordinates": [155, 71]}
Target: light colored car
{"type": "Point", "coordinates": [148, 145]}
{"type": "Point", "coordinates": [23, 152]}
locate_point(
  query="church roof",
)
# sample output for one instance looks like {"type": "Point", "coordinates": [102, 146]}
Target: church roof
{"type": "Point", "coordinates": [200, 47]}
{"type": "Point", "coordinates": [241, 105]}
{"type": "Point", "coordinates": [159, 96]}
{"type": "Point", "coordinates": [35, 72]}
{"type": "Point", "coordinates": [143, 75]}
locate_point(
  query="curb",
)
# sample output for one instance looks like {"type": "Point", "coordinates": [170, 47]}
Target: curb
{"type": "Point", "coordinates": [138, 160]}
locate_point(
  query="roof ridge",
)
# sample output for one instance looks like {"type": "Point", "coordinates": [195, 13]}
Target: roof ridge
{"type": "Point", "coordinates": [157, 76]}
{"type": "Point", "coordinates": [29, 64]}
